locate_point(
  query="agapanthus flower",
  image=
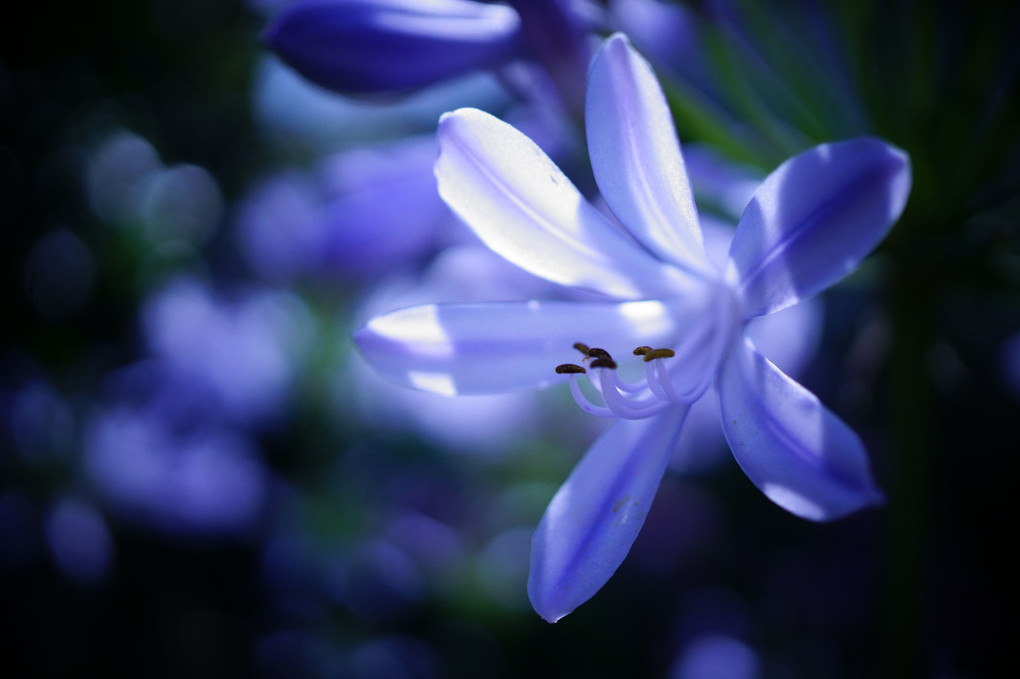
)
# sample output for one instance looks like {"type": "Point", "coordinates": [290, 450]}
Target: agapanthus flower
{"type": "Point", "coordinates": [673, 324]}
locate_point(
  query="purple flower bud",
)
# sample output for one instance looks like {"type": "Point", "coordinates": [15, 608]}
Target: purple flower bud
{"type": "Point", "coordinates": [391, 45]}
{"type": "Point", "coordinates": [557, 37]}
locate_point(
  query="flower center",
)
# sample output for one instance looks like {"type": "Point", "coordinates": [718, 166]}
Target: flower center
{"type": "Point", "coordinates": [656, 379]}
{"type": "Point", "coordinates": [636, 400]}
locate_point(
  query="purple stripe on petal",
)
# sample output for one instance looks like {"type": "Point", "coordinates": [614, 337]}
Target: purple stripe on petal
{"type": "Point", "coordinates": [392, 45]}
{"type": "Point", "coordinates": [804, 458]}
{"type": "Point", "coordinates": [597, 513]}
{"type": "Point", "coordinates": [814, 219]}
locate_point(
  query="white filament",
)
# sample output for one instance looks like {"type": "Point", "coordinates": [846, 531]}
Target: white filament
{"type": "Point", "coordinates": [632, 401]}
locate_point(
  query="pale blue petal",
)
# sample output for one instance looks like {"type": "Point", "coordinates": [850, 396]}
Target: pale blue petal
{"type": "Point", "coordinates": [595, 516]}
{"type": "Point", "coordinates": [495, 347]}
{"type": "Point", "coordinates": [804, 458]}
{"type": "Point", "coordinates": [636, 156]}
{"type": "Point", "coordinates": [523, 207]}
{"type": "Point", "coordinates": [814, 219]}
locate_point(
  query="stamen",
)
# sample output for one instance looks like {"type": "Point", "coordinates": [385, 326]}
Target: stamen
{"type": "Point", "coordinates": [653, 354]}
{"type": "Point", "coordinates": [633, 401]}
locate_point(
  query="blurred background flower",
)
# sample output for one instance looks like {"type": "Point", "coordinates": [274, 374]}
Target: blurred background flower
{"type": "Point", "coordinates": [198, 478]}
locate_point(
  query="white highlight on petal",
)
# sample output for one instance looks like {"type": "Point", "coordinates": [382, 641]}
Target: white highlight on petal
{"type": "Point", "coordinates": [504, 187]}
{"type": "Point", "coordinates": [438, 383]}
{"type": "Point", "coordinates": [494, 347]}
{"type": "Point", "coordinates": [419, 325]}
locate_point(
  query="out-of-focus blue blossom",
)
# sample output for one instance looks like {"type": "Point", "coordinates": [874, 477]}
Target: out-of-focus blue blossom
{"type": "Point", "coordinates": [387, 45]}
{"type": "Point", "coordinates": [376, 580]}
{"type": "Point", "coordinates": [810, 223]}
{"type": "Point", "coordinates": [343, 219]}
{"type": "Point", "coordinates": [713, 628]}
{"type": "Point", "coordinates": [161, 454]}
{"type": "Point", "coordinates": [129, 187]}
{"type": "Point", "coordinates": [280, 226]}
{"type": "Point", "coordinates": [59, 275]}
{"type": "Point", "coordinates": [401, 657]}
{"type": "Point", "coordinates": [42, 424]}
{"type": "Point", "coordinates": [717, 657]}
{"type": "Point", "coordinates": [556, 33]}
{"type": "Point", "coordinates": [60, 516]}
{"type": "Point", "coordinates": [289, 111]}
{"type": "Point", "coordinates": [245, 351]}
{"type": "Point", "coordinates": [398, 45]}
{"type": "Point", "coordinates": [182, 203]}
{"type": "Point", "coordinates": [118, 172]}
{"type": "Point", "coordinates": [80, 540]}
{"type": "Point", "coordinates": [502, 568]}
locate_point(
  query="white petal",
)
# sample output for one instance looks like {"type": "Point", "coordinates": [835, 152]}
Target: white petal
{"type": "Point", "coordinates": [636, 156]}
{"type": "Point", "coordinates": [494, 347]}
{"type": "Point", "coordinates": [523, 207]}
{"type": "Point", "coordinates": [595, 516]}
{"type": "Point", "coordinates": [804, 458]}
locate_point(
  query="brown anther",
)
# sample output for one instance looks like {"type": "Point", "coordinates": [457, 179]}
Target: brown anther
{"type": "Point", "coordinates": [582, 347]}
{"type": "Point", "coordinates": [604, 363]}
{"type": "Point", "coordinates": [569, 368]}
{"type": "Point", "coordinates": [653, 354]}
{"type": "Point", "coordinates": [595, 352]}
{"type": "Point", "coordinates": [642, 350]}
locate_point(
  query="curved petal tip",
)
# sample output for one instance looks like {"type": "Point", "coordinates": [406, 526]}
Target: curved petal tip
{"type": "Point", "coordinates": [596, 515]}
{"type": "Point", "coordinates": [801, 456]}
